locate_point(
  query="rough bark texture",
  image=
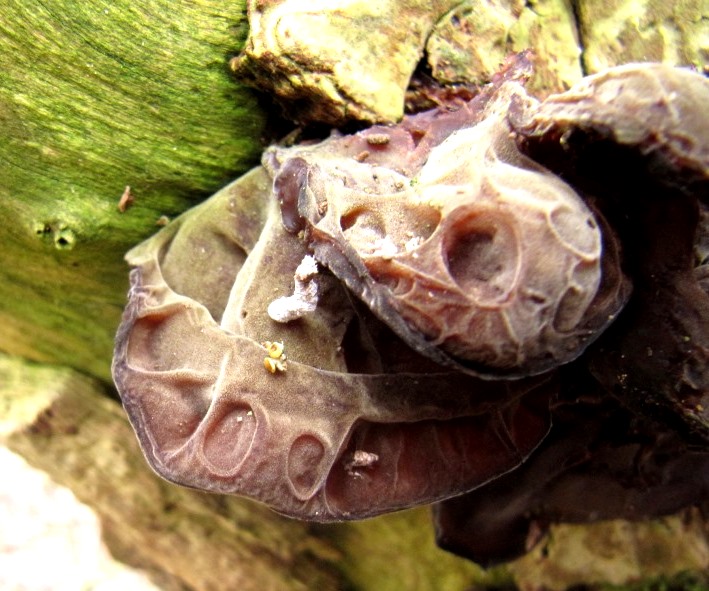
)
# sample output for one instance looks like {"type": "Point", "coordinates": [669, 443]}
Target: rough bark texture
{"type": "Point", "coordinates": [304, 55]}
{"type": "Point", "coordinates": [97, 96]}
{"type": "Point", "coordinates": [94, 97]}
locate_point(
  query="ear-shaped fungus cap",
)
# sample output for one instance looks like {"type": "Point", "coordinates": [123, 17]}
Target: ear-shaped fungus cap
{"type": "Point", "coordinates": [312, 439]}
{"type": "Point", "coordinates": [634, 140]}
{"type": "Point", "coordinates": [473, 253]}
{"type": "Point", "coordinates": [486, 246]}
{"type": "Point", "coordinates": [599, 462]}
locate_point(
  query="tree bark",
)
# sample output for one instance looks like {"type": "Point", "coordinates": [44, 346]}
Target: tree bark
{"type": "Point", "coordinates": [94, 97]}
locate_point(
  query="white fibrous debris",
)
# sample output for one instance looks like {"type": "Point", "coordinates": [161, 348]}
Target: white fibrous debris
{"type": "Point", "coordinates": [413, 243]}
{"type": "Point", "coordinates": [305, 294]}
{"type": "Point", "coordinates": [360, 459]}
{"type": "Point", "coordinates": [385, 248]}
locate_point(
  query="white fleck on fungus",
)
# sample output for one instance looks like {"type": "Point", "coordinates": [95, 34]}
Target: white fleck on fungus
{"type": "Point", "coordinates": [305, 294]}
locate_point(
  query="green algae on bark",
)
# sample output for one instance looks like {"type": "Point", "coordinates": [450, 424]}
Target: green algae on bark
{"type": "Point", "coordinates": [371, 548]}
{"type": "Point", "coordinates": [616, 553]}
{"type": "Point", "coordinates": [471, 41]}
{"type": "Point", "coordinates": [624, 31]}
{"type": "Point", "coordinates": [95, 97]}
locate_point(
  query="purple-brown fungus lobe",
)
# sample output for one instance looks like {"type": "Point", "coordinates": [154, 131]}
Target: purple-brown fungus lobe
{"type": "Point", "coordinates": [190, 368]}
{"type": "Point", "coordinates": [482, 269]}
{"type": "Point", "coordinates": [476, 255]}
{"type": "Point", "coordinates": [631, 423]}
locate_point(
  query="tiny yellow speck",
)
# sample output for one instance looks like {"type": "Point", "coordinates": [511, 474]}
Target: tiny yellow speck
{"type": "Point", "coordinates": [274, 365]}
{"type": "Point", "coordinates": [269, 364]}
{"type": "Point", "coordinates": [274, 349]}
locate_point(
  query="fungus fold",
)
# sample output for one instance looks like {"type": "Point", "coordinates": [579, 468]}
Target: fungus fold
{"type": "Point", "coordinates": [453, 292]}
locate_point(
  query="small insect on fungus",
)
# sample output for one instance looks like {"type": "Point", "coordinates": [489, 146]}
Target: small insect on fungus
{"type": "Point", "coordinates": [275, 349]}
{"type": "Point", "coordinates": [276, 360]}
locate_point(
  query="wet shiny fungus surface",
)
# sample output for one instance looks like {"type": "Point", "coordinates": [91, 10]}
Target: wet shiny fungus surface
{"type": "Point", "coordinates": [506, 313]}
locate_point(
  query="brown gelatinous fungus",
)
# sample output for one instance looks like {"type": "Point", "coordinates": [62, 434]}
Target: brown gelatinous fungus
{"type": "Point", "coordinates": [631, 428]}
{"type": "Point", "coordinates": [473, 280]}
{"type": "Point", "coordinates": [473, 253]}
{"type": "Point", "coordinates": [635, 141]}
{"type": "Point", "coordinates": [599, 462]}
{"type": "Point", "coordinates": [189, 365]}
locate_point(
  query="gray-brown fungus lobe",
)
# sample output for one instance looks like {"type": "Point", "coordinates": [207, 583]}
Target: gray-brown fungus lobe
{"type": "Point", "coordinates": [599, 462]}
{"type": "Point", "coordinates": [631, 425]}
{"type": "Point", "coordinates": [476, 255]}
{"type": "Point", "coordinates": [483, 271]}
{"type": "Point", "coordinates": [657, 110]}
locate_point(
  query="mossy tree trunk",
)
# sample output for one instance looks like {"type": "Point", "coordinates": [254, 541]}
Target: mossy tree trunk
{"type": "Point", "coordinates": [94, 97]}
